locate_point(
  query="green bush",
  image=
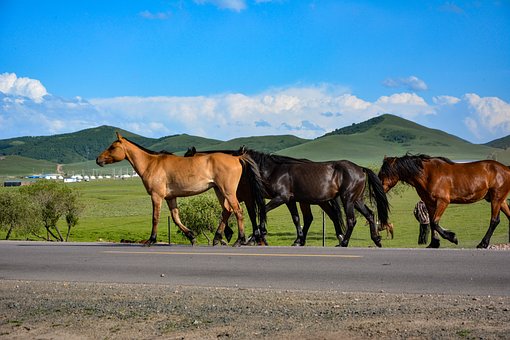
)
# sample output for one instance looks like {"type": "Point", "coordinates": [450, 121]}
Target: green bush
{"type": "Point", "coordinates": [201, 213]}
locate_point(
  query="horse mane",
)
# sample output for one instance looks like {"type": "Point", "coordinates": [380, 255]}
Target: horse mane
{"type": "Point", "coordinates": [192, 151]}
{"type": "Point", "coordinates": [262, 158]}
{"type": "Point", "coordinates": [156, 153]}
{"type": "Point", "coordinates": [408, 166]}
{"type": "Point", "coordinates": [257, 156]}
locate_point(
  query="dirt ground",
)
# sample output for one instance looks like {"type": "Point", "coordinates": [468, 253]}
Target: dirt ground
{"type": "Point", "coordinates": [68, 310]}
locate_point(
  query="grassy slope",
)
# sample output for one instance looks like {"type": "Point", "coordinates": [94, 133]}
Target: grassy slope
{"type": "Point", "coordinates": [369, 147]}
{"type": "Point", "coordinates": [22, 166]}
{"type": "Point", "coordinates": [121, 209]}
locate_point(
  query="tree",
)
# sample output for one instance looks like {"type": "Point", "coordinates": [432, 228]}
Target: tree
{"type": "Point", "coordinates": [55, 200]}
{"type": "Point", "coordinates": [72, 212]}
{"type": "Point", "coordinates": [18, 214]}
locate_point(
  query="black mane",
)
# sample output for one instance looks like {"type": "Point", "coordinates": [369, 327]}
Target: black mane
{"type": "Point", "coordinates": [263, 158]}
{"type": "Point", "coordinates": [407, 166]}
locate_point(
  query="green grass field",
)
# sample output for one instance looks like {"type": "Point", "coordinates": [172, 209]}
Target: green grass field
{"type": "Point", "coordinates": [121, 209]}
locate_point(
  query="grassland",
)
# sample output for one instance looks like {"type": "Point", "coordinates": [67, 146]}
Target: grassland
{"type": "Point", "coordinates": [118, 210]}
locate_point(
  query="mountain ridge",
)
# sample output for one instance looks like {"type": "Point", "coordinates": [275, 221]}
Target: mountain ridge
{"type": "Point", "coordinates": [369, 140]}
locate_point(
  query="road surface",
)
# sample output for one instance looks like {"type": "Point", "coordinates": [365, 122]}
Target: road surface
{"type": "Point", "coordinates": [421, 271]}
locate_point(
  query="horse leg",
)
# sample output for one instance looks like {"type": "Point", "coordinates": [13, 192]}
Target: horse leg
{"type": "Point", "coordinates": [495, 208]}
{"type": "Point", "coordinates": [174, 211]}
{"type": "Point", "coordinates": [335, 217]}
{"type": "Point", "coordinates": [292, 206]}
{"type": "Point", "coordinates": [369, 215]}
{"type": "Point", "coordinates": [225, 215]}
{"type": "Point", "coordinates": [257, 237]}
{"type": "Point", "coordinates": [275, 202]}
{"type": "Point", "coordinates": [156, 209]}
{"type": "Point", "coordinates": [307, 221]}
{"type": "Point", "coordinates": [435, 228]}
{"type": "Point", "coordinates": [506, 210]}
{"type": "Point", "coordinates": [389, 229]}
{"type": "Point", "coordinates": [220, 231]}
{"type": "Point", "coordinates": [233, 205]}
{"type": "Point", "coordinates": [351, 222]}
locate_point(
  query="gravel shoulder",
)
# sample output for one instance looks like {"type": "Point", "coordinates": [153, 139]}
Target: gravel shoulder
{"type": "Point", "coordinates": [69, 310]}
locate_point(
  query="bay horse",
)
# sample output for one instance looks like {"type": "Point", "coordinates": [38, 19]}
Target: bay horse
{"type": "Point", "coordinates": [167, 176]}
{"type": "Point", "coordinates": [439, 181]}
{"type": "Point", "coordinates": [289, 180]}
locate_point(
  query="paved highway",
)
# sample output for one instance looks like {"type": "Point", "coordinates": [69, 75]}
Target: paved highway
{"type": "Point", "coordinates": [422, 271]}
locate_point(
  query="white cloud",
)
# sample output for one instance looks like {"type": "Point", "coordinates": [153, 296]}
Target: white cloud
{"type": "Point", "coordinates": [407, 105]}
{"type": "Point", "coordinates": [233, 5]}
{"type": "Point", "coordinates": [445, 100]}
{"type": "Point", "coordinates": [305, 111]}
{"type": "Point", "coordinates": [490, 113]}
{"type": "Point", "coordinates": [25, 87]}
{"type": "Point", "coordinates": [411, 83]}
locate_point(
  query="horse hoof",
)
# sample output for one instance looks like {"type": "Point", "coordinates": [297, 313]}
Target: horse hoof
{"type": "Point", "coordinates": [193, 242]}
{"type": "Point", "coordinates": [344, 244]}
{"type": "Point", "coordinates": [434, 244]}
{"type": "Point", "coordinates": [482, 245]}
{"type": "Point", "coordinates": [149, 242]}
{"type": "Point", "coordinates": [377, 241]}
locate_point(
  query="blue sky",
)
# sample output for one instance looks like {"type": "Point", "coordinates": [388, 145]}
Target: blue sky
{"type": "Point", "coordinates": [231, 68]}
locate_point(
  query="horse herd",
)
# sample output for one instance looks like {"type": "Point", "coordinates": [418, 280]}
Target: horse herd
{"type": "Point", "coordinates": [250, 176]}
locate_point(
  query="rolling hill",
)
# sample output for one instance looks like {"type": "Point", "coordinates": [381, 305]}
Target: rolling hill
{"type": "Point", "coordinates": [387, 135]}
{"type": "Point", "coordinates": [67, 148]}
{"type": "Point", "coordinates": [365, 143]}
{"type": "Point", "coordinates": [500, 143]}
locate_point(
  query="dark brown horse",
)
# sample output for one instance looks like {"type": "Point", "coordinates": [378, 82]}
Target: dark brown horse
{"type": "Point", "coordinates": [167, 176]}
{"type": "Point", "coordinates": [439, 182]}
{"type": "Point", "coordinates": [331, 208]}
{"type": "Point", "coordinates": [288, 181]}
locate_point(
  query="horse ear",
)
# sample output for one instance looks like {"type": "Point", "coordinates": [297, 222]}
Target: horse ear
{"type": "Point", "coordinates": [118, 135]}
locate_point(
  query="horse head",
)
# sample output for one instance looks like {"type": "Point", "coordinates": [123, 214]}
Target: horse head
{"type": "Point", "coordinates": [388, 175]}
{"type": "Point", "coordinates": [114, 153]}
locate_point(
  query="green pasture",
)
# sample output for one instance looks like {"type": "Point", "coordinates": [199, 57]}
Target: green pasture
{"type": "Point", "coordinates": [118, 210]}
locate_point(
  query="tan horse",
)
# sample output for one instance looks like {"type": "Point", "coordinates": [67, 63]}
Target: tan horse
{"type": "Point", "coordinates": [167, 176]}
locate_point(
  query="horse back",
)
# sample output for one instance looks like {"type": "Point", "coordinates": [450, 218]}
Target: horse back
{"type": "Point", "coordinates": [468, 182]}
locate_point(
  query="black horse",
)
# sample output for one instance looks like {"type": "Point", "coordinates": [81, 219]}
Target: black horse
{"type": "Point", "coordinates": [244, 194]}
{"type": "Point", "coordinates": [289, 180]}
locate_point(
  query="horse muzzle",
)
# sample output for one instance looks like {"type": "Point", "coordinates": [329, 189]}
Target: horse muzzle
{"type": "Point", "coordinates": [100, 161]}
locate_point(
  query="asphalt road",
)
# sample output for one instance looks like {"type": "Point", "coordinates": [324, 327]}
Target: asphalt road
{"type": "Point", "coordinates": [422, 271]}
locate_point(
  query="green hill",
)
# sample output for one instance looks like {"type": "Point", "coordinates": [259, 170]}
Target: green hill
{"type": "Point", "coordinates": [267, 144]}
{"type": "Point", "coordinates": [67, 148]}
{"type": "Point", "coordinates": [367, 143]}
{"type": "Point", "coordinates": [181, 143]}
{"type": "Point", "coordinates": [85, 145]}
{"type": "Point", "coordinates": [500, 143]}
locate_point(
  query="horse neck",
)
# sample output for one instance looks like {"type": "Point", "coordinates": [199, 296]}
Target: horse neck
{"type": "Point", "coordinates": [138, 158]}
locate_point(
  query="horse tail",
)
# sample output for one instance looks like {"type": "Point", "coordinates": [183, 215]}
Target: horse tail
{"type": "Point", "coordinates": [251, 169]}
{"type": "Point", "coordinates": [377, 193]}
